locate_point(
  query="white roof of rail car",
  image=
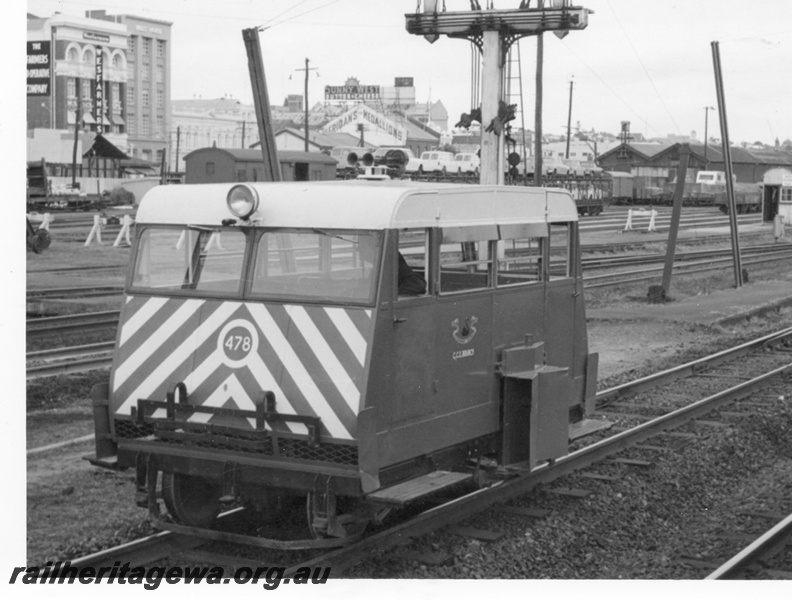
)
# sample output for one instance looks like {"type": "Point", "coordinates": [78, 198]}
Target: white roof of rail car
{"type": "Point", "coordinates": [360, 204]}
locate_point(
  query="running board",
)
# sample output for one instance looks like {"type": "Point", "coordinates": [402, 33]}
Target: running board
{"type": "Point", "coordinates": [411, 490]}
{"type": "Point", "coordinates": [587, 427]}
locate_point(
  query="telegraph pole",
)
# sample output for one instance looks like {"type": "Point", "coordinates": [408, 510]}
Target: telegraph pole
{"type": "Point", "coordinates": [706, 121]}
{"type": "Point", "coordinates": [178, 142]}
{"type": "Point", "coordinates": [569, 118]}
{"type": "Point", "coordinates": [727, 163]}
{"type": "Point", "coordinates": [307, 70]}
{"type": "Point", "coordinates": [258, 81]}
{"type": "Point", "coordinates": [538, 111]}
{"type": "Point", "coordinates": [494, 31]}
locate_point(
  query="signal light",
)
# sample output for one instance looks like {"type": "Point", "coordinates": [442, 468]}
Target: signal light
{"type": "Point", "coordinates": [242, 201]}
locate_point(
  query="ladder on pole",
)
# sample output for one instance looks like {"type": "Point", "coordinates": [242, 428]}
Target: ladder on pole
{"type": "Point", "coordinates": [516, 96]}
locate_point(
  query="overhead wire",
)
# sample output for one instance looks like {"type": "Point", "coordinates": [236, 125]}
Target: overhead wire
{"type": "Point", "coordinates": [604, 83]}
{"type": "Point", "coordinates": [645, 70]}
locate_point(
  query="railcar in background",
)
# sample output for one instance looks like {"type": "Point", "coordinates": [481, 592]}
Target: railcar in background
{"type": "Point", "coordinates": [352, 345]}
{"type": "Point", "coordinates": [776, 194]}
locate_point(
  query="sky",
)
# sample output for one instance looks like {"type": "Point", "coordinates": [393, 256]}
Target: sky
{"type": "Point", "coordinates": [650, 63]}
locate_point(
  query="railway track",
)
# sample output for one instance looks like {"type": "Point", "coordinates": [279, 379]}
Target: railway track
{"type": "Point", "coordinates": [770, 362]}
{"type": "Point", "coordinates": [620, 278]}
{"type": "Point", "coordinates": [753, 555]}
{"type": "Point", "coordinates": [82, 322]}
{"type": "Point", "coordinates": [74, 292]}
{"type": "Point", "coordinates": [73, 359]}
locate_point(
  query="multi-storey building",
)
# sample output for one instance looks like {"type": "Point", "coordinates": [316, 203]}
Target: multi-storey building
{"type": "Point", "coordinates": [77, 74]}
{"type": "Point", "coordinates": [102, 73]}
{"type": "Point", "coordinates": [148, 86]}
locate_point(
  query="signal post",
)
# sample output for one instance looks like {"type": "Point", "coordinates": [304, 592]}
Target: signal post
{"type": "Point", "coordinates": [493, 31]}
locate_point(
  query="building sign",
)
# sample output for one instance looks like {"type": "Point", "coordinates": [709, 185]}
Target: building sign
{"type": "Point", "coordinates": [378, 129]}
{"type": "Point", "coordinates": [99, 89]}
{"type": "Point", "coordinates": [352, 90]}
{"type": "Point", "coordinates": [39, 69]}
{"type": "Point", "coordinates": [148, 29]}
{"type": "Point", "coordinates": [96, 37]}
{"type": "Point", "coordinates": [403, 82]}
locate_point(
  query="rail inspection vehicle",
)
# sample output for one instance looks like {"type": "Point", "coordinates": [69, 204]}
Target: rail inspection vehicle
{"type": "Point", "coordinates": [355, 345]}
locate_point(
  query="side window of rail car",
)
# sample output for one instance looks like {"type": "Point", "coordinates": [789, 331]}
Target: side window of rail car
{"type": "Point", "coordinates": [466, 258]}
{"type": "Point", "coordinates": [335, 266]}
{"type": "Point", "coordinates": [412, 271]}
{"type": "Point", "coordinates": [560, 245]}
{"type": "Point", "coordinates": [190, 259]}
{"type": "Point", "coordinates": [520, 261]}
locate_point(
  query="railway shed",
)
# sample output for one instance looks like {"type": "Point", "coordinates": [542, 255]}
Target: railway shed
{"type": "Point", "coordinates": [230, 165]}
{"type": "Point", "coordinates": [654, 166]}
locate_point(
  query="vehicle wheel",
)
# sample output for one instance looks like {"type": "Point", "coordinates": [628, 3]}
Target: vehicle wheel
{"type": "Point", "coordinates": [43, 239]}
{"type": "Point", "coordinates": [348, 523]}
{"type": "Point", "coordinates": [191, 500]}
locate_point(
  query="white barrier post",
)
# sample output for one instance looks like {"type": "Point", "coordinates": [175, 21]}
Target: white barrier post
{"type": "Point", "coordinates": [96, 231]}
{"type": "Point", "coordinates": [778, 226]}
{"type": "Point", "coordinates": [214, 240]}
{"type": "Point", "coordinates": [652, 226]}
{"type": "Point", "coordinates": [124, 232]}
{"type": "Point", "coordinates": [45, 223]}
{"type": "Point", "coordinates": [628, 225]}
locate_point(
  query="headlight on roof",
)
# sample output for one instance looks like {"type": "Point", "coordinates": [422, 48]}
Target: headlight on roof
{"type": "Point", "coordinates": [242, 201]}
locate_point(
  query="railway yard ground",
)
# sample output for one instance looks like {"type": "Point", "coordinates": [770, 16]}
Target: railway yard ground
{"type": "Point", "coordinates": [657, 522]}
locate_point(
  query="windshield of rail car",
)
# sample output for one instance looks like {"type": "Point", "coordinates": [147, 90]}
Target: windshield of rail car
{"type": "Point", "coordinates": [316, 265]}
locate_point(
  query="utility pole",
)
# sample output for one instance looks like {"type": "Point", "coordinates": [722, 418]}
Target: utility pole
{"type": "Point", "coordinates": [724, 126]}
{"type": "Point", "coordinates": [307, 70]}
{"type": "Point", "coordinates": [258, 82]}
{"type": "Point", "coordinates": [494, 31]}
{"type": "Point", "coordinates": [569, 118]}
{"type": "Point", "coordinates": [706, 121]}
{"type": "Point", "coordinates": [538, 111]}
{"type": "Point", "coordinates": [178, 141]}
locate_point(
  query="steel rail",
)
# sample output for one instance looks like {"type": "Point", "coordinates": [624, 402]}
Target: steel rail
{"type": "Point", "coordinates": [77, 269]}
{"type": "Point", "coordinates": [683, 269]}
{"type": "Point", "coordinates": [84, 291]}
{"type": "Point", "coordinates": [68, 367]}
{"type": "Point", "coordinates": [80, 322]}
{"type": "Point", "coordinates": [70, 351]}
{"type": "Point", "coordinates": [768, 540]}
{"type": "Point", "coordinates": [611, 261]}
{"type": "Point", "coordinates": [692, 367]}
{"type": "Point", "coordinates": [501, 492]}
{"type": "Point", "coordinates": [145, 550]}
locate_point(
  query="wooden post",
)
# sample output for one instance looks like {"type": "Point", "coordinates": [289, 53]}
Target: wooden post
{"type": "Point", "coordinates": [306, 104]}
{"type": "Point", "coordinates": [258, 81]}
{"type": "Point", "coordinates": [679, 193]}
{"type": "Point", "coordinates": [538, 111]}
{"type": "Point", "coordinates": [491, 160]}
{"type": "Point", "coordinates": [738, 272]}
